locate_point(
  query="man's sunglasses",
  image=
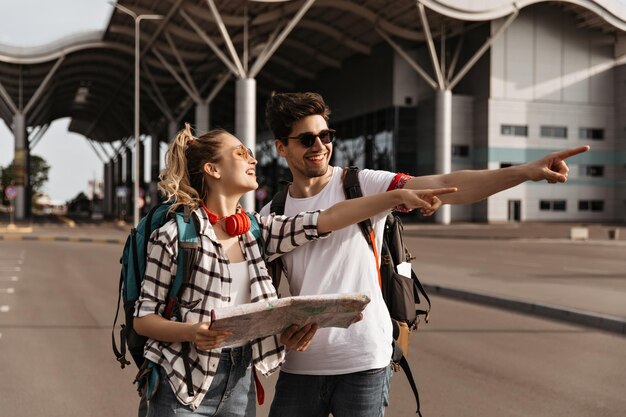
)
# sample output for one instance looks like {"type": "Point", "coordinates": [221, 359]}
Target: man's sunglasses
{"type": "Point", "coordinates": [307, 139]}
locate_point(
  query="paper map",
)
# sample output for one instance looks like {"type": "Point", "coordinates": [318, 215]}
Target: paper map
{"type": "Point", "coordinates": [268, 317]}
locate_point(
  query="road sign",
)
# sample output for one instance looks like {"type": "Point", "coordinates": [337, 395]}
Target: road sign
{"type": "Point", "coordinates": [10, 192]}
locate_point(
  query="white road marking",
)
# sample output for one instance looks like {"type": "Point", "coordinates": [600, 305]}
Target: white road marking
{"type": "Point", "coordinates": [11, 268]}
{"type": "Point", "coordinates": [9, 278]}
{"type": "Point", "coordinates": [7, 290]}
{"type": "Point", "coordinates": [11, 261]}
{"type": "Point", "coordinates": [518, 263]}
{"type": "Point", "coordinates": [4, 309]}
{"type": "Point", "coordinates": [585, 270]}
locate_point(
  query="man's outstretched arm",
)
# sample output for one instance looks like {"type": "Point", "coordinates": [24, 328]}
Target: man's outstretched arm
{"type": "Point", "coordinates": [476, 185]}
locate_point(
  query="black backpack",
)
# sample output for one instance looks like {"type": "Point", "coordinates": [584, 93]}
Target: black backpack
{"type": "Point", "coordinates": [401, 294]}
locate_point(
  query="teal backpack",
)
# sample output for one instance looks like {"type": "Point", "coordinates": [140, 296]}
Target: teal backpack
{"type": "Point", "coordinates": [133, 263]}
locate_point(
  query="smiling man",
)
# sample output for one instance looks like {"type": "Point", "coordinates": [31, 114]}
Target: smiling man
{"type": "Point", "coordinates": [346, 372]}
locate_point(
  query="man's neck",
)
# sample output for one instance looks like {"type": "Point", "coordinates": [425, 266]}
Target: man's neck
{"type": "Point", "coordinates": [303, 187]}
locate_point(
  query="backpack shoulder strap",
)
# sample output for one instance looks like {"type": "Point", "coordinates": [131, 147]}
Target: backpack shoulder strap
{"type": "Point", "coordinates": [277, 205]}
{"type": "Point", "coordinates": [417, 286]}
{"type": "Point", "coordinates": [352, 189]}
{"type": "Point", "coordinates": [255, 229]}
{"type": "Point", "coordinates": [187, 250]}
{"type": "Point", "coordinates": [188, 244]}
{"type": "Point", "coordinates": [187, 233]}
{"type": "Point", "coordinates": [148, 224]}
{"type": "Point", "coordinates": [351, 184]}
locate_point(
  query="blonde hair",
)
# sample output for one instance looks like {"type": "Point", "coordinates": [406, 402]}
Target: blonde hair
{"type": "Point", "coordinates": [183, 179]}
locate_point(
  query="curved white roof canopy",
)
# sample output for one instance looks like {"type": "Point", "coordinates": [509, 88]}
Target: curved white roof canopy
{"type": "Point", "coordinates": [610, 11]}
{"type": "Point", "coordinates": [91, 74]}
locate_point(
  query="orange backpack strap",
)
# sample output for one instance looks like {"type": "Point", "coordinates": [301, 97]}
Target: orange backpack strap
{"type": "Point", "coordinates": [352, 189]}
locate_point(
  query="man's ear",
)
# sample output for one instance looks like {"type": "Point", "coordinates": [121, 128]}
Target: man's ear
{"type": "Point", "coordinates": [280, 147]}
{"type": "Point", "coordinates": [212, 170]}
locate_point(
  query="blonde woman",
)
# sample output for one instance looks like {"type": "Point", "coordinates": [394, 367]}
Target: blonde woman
{"type": "Point", "coordinates": [207, 175]}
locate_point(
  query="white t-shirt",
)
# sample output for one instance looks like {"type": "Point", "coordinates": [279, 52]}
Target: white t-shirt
{"type": "Point", "coordinates": [341, 263]}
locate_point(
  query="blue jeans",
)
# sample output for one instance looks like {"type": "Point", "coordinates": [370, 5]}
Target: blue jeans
{"type": "Point", "coordinates": [231, 394]}
{"type": "Point", "coordinates": [359, 394]}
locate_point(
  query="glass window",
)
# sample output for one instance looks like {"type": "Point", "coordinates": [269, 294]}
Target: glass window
{"type": "Point", "coordinates": [520, 130]}
{"type": "Point", "coordinates": [592, 170]}
{"type": "Point", "coordinates": [559, 132]}
{"type": "Point", "coordinates": [591, 133]}
{"type": "Point", "coordinates": [514, 130]}
{"type": "Point", "coordinates": [593, 205]}
{"type": "Point", "coordinates": [559, 205]}
{"type": "Point", "coordinates": [597, 205]}
{"type": "Point", "coordinates": [554, 205]}
{"type": "Point", "coordinates": [460, 151]}
{"type": "Point", "coordinates": [596, 171]}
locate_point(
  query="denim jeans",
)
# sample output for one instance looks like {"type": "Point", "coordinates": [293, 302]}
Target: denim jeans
{"type": "Point", "coordinates": [231, 393]}
{"type": "Point", "coordinates": [359, 394]}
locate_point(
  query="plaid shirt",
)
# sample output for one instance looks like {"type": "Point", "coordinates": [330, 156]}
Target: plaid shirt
{"type": "Point", "coordinates": [209, 288]}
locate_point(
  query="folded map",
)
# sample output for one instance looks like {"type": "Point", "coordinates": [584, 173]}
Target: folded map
{"type": "Point", "coordinates": [264, 318]}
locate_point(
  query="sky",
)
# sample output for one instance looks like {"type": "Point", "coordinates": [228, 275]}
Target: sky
{"type": "Point", "coordinates": [73, 161]}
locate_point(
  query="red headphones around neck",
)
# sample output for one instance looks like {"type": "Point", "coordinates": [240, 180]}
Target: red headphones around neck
{"type": "Point", "coordinates": [235, 224]}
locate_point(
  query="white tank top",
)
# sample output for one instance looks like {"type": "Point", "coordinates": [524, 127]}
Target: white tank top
{"type": "Point", "coordinates": [240, 287]}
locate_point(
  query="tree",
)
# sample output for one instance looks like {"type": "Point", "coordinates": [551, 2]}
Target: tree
{"type": "Point", "coordinates": [39, 170]}
{"type": "Point", "coordinates": [79, 204]}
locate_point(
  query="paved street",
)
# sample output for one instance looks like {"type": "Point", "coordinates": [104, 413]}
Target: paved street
{"type": "Point", "coordinates": [57, 302]}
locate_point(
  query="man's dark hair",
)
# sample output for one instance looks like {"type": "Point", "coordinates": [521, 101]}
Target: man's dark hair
{"type": "Point", "coordinates": [284, 109]}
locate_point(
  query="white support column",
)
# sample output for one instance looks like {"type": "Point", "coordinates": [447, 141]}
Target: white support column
{"type": "Point", "coordinates": [202, 118]}
{"type": "Point", "coordinates": [109, 188]}
{"type": "Point", "coordinates": [137, 163]}
{"type": "Point", "coordinates": [245, 123]}
{"type": "Point", "coordinates": [20, 160]}
{"type": "Point", "coordinates": [443, 143]}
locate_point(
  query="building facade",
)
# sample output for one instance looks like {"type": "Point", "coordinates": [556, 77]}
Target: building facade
{"type": "Point", "coordinates": [545, 84]}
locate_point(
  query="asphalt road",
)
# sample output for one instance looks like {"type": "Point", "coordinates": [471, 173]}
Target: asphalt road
{"type": "Point", "coordinates": [584, 276]}
{"type": "Point", "coordinates": [57, 302]}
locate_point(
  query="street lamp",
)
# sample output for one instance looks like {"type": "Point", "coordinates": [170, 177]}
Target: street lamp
{"type": "Point", "coordinates": [137, 18]}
